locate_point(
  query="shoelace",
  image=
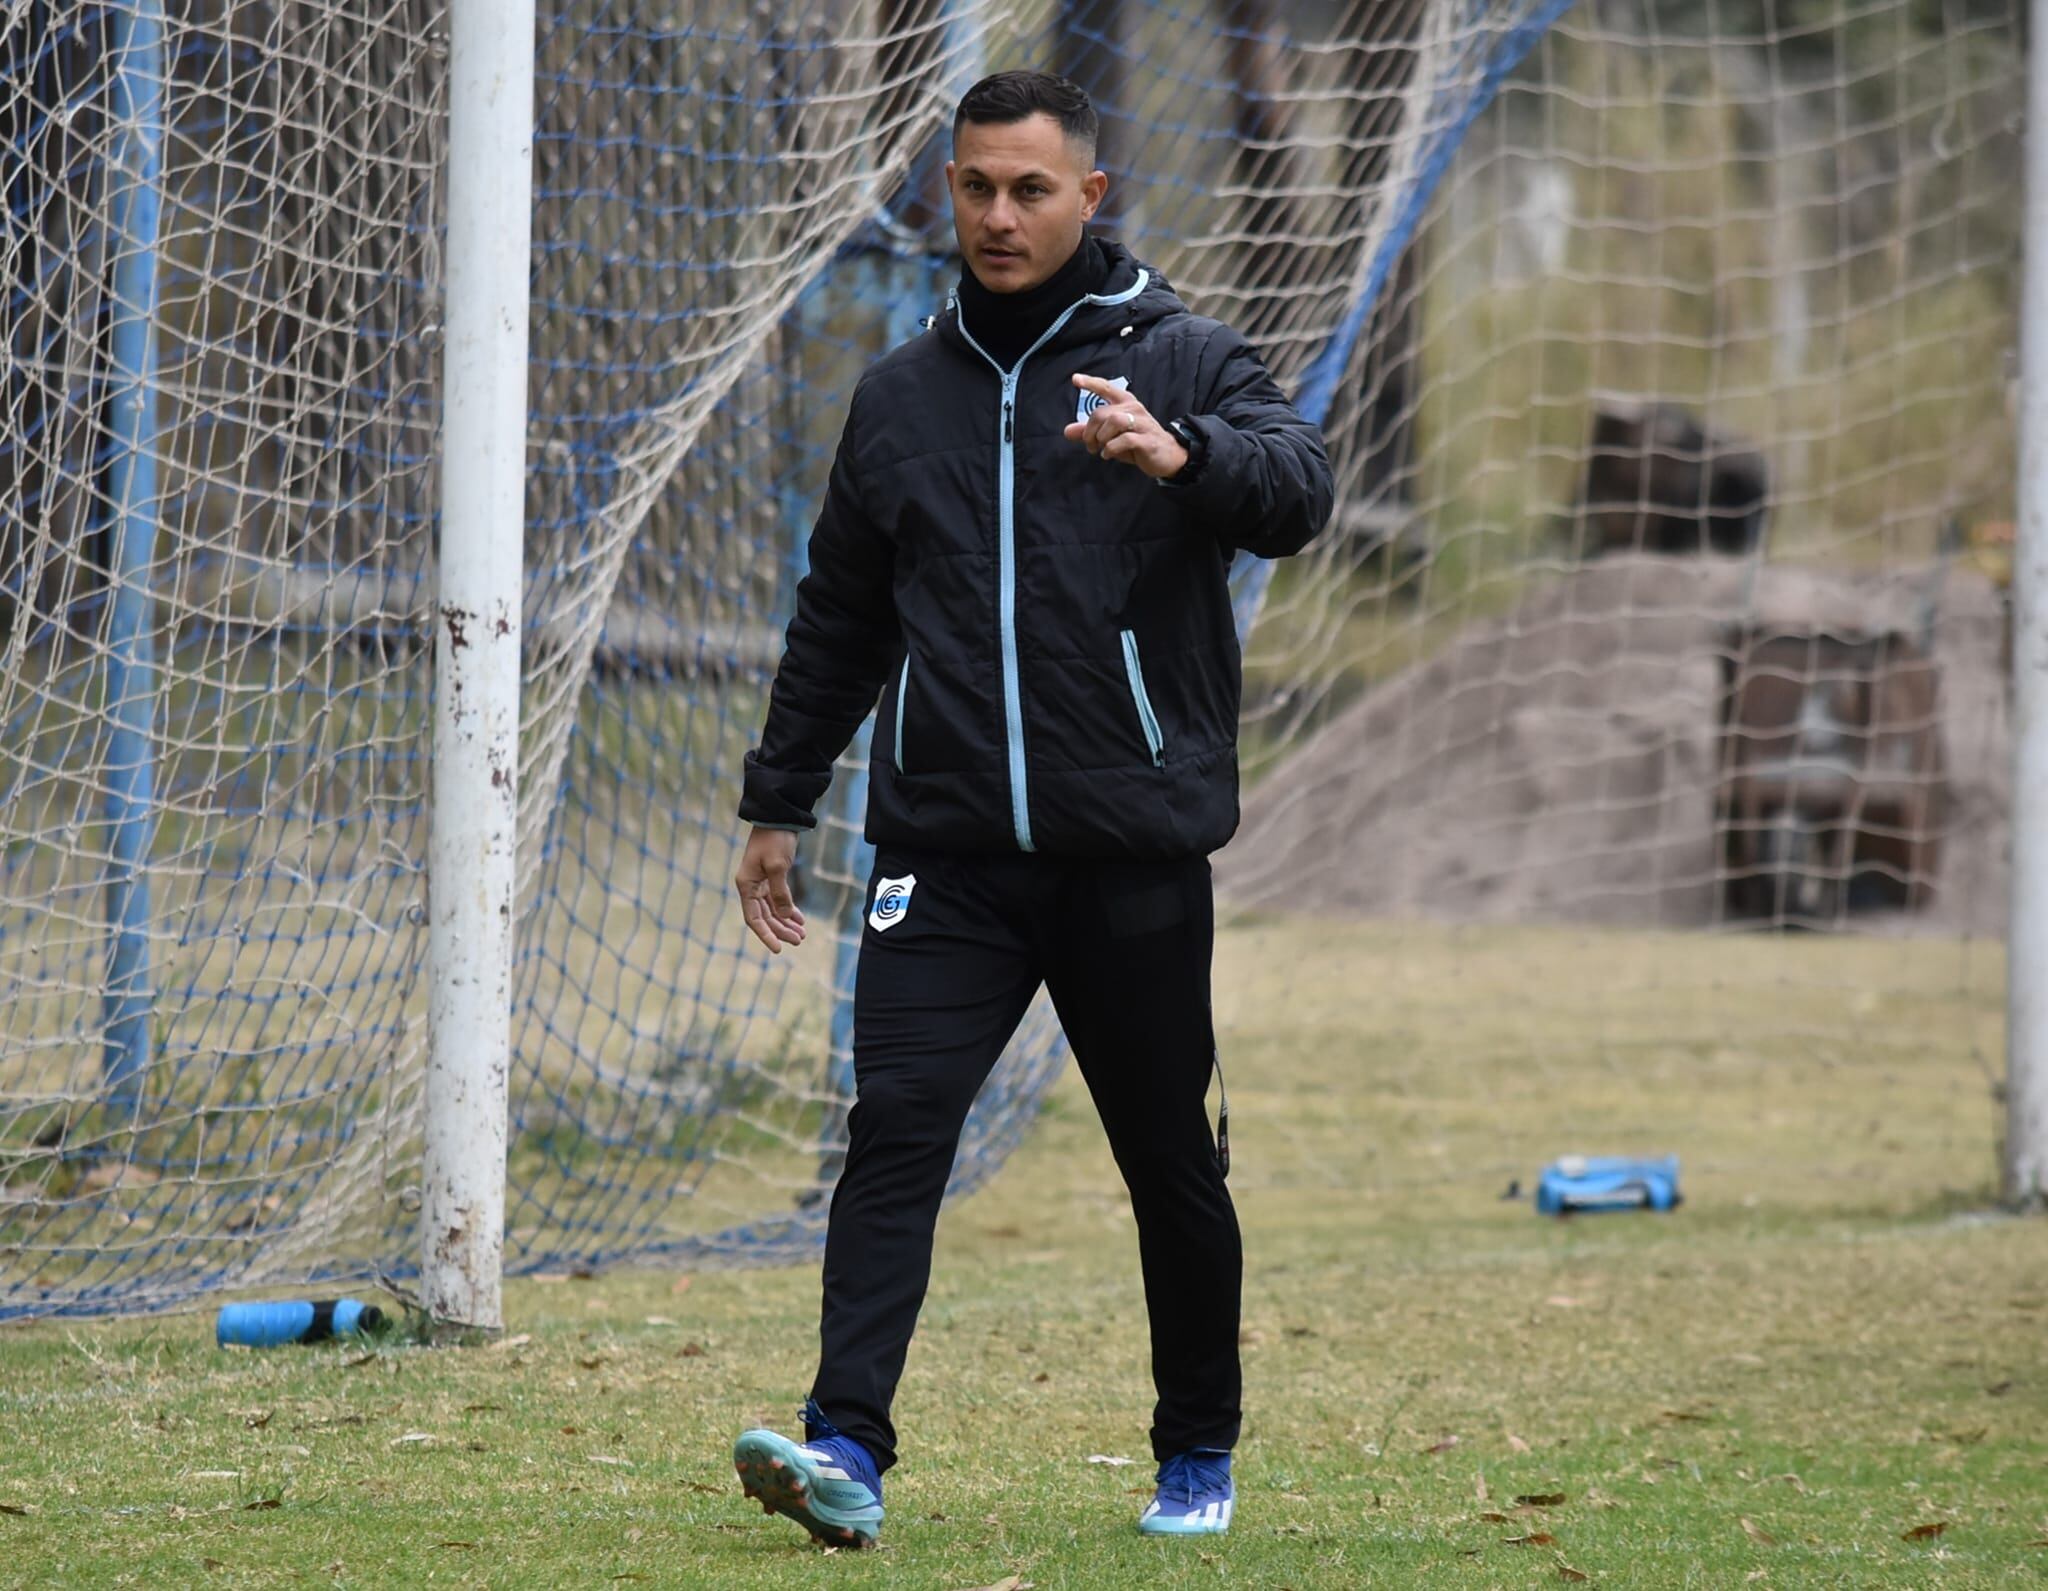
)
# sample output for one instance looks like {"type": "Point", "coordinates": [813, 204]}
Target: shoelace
{"type": "Point", "coordinates": [1186, 1474]}
{"type": "Point", "coordinates": [815, 1425]}
{"type": "Point", "coordinates": [817, 1428]}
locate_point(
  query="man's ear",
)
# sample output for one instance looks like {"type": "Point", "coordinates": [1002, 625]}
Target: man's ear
{"type": "Point", "coordinates": [1093, 187]}
{"type": "Point", "coordinates": [950, 165]}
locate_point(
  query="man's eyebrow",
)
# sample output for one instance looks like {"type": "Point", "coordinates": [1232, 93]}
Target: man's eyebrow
{"type": "Point", "coordinates": [1029, 176]}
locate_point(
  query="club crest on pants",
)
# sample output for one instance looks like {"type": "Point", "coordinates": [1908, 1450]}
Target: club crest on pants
{"type": "Point", "coordinates": [892, 902]}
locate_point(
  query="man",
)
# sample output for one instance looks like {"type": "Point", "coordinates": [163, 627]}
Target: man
{"type": "Point", "coordinates": [1023, 552]}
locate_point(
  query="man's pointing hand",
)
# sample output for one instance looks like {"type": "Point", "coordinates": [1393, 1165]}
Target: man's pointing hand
{"type": "Point", "coordinates": [1123, 429]}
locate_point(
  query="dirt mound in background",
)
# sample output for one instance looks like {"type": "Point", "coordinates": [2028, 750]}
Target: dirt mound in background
{"type": "Point", "coordinates": [1559, 764]}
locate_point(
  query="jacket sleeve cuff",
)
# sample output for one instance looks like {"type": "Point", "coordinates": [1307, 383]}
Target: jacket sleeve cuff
{"type": "Point", "coordinates": [763, 803]}
{"type": "Point", "coordinates": [1196, 440]}
{"type": "Point", "coordinates": [1210, 483]}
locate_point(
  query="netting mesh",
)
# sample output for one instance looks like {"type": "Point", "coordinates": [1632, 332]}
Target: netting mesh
{"type": "Point", "coordinates": [1660, 348]}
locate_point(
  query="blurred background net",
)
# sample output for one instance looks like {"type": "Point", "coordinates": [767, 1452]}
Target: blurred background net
{"type": "Point", "coordinates": [1664, 349]}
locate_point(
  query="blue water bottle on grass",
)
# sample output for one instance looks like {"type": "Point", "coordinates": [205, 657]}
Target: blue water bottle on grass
{"type": "Point", "coordinates": [1587, 1183]}
{"type": "Point", "coordinates": [273, 1325]}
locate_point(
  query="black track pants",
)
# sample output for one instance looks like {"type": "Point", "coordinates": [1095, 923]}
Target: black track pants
{"type": "Point", "coordinates": [1124, 949]}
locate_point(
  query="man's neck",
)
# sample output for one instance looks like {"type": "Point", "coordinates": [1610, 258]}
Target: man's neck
{"type": "Point", "coordinates": [1007, 324]}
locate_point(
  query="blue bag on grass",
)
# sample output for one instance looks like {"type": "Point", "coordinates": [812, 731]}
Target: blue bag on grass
{"type": "Point", "coordinates": [1588, 1183]}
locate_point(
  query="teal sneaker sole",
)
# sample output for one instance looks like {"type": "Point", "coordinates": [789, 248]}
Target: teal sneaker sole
{"type": "Point", "coordinates": [784, 1480]}
{"type": "Point", "coordinates": [1186, 1524]}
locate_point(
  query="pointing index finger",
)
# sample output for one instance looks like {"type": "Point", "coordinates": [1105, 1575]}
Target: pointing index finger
{"type": "Point", "coordinates": [1107, 389]}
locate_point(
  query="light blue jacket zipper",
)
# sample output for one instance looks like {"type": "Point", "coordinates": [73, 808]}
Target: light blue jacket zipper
{"type": "Point", "coordinates": [902, 696]}
{"type": "Point", "coordinates": [1006, 538]}
{"type": "Point", "coordinates": [1147, 720]}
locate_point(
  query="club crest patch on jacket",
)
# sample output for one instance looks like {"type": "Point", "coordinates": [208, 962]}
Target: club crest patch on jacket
{"type": "Point", "coordinates": [1091, 401]}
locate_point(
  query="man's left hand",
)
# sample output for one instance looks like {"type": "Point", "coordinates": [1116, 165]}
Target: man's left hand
{"type": "Point", "coordinates": [1123, 429]}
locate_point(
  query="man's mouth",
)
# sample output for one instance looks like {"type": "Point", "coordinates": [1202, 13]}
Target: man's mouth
{"type": "Point", "coordinates": [993, 252]}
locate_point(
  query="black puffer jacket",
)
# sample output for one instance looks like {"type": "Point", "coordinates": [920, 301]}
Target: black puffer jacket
{"type": "Point", "coordinates": [1053, 630]}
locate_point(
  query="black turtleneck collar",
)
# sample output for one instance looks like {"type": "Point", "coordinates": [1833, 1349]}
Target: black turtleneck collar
{"type": "Point", "coordinates": [1007, 324]}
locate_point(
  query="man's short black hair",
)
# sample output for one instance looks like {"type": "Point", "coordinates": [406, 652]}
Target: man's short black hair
{"type": "Point", "coordinates": [1010, 97]}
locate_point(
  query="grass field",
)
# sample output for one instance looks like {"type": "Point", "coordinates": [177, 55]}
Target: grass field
{"type": "Point", "coordinates": [1825, 1370]}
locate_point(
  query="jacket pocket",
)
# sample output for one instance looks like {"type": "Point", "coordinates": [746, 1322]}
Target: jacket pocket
{"type": "Point", "coordinates": [902, 701]}
{"type": "Point", "coordinates": [1148, 721]}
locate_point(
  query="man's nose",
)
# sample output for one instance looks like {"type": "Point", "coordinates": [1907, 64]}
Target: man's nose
{"type": "Point", "coordinates": [1000, 217]}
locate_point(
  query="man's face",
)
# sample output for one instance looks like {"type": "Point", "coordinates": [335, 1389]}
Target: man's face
{"type": "Point", "coordinates": [1022, 192]}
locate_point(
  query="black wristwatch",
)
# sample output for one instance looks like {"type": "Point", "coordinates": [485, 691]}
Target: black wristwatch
{"type": "Point", "coordinates": [1197, 445]}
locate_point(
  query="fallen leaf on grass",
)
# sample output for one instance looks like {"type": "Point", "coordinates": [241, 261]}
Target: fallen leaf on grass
{"type": "Point", "coordinates": [1757, 1533]}
{"type": "Point", "coordinates": [1015, 1582]}
{"type": "Point", "coordinates": [1540, 1500]}
{"type": "Point", "coordinates": [1998, 1389]}
{"type": "Point", "coordinates": [1494, 1517]}
{"type": "Point", "coordinates": [2043, 1542]}
{"type": "Point", "coordinates": [1516, 1444]}
{"type": "Point", "coordinates": [678, 1287]}
{"type": "Point", "coordinates": [594, 1362]}
{"type": "Point", "coordinates": [659, 1320]}
{"type": "Point", "coordinates": [690, 1350]}
{"type": "Point", "coordinates": [256, 1419]}
{"type": "Point", "coordinates": [1682, 1416]}
{"type": "Point", "coordinates": [1444, 1446]}
{"type": "Point", "coordinates": [1925, 1532]}
{"type": "Point", "coordinates": [519, 1341]}
{"type": "Point", "coordinates": [1107, 1458]}
{"type": "Point", "coordinates": [606, 1458]}
{"type": "Point", "coordinates": [412, 1438]}
{"type": "Point", "coordinates": [699, 1486]}
{"type": "Point", "coordinates": [466, 1545]}
{"type": "Point", "coordinates": [1537, 1538]}
{"type": "Point", "coordinates": [1479, 1487]}
{"type": "Point", "coordinates": [480, 1408]}
{"type": "Point", "coordinates": [213, 1563]}
{"type": "Point", "coordinates": [15, 1509]}
{"type": "Point", "coordinates": [1563, 1301]}
{"type": "Point", "coordinates": [359, 1361]}
{"type": "Point", "coordinates": [262, 1502]}
{"type": "Point", "coordinates": [216, 1475]}
{"type": "Point", "coordinates": [1566, 1572]}
{"type": "Point", "coordinates": [630, 1574]}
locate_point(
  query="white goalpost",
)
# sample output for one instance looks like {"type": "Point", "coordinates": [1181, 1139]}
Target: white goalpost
{"type": "Point", "coordinates": [473, 834]}
{"type": "Point", "coordinates": [2026, 1089]}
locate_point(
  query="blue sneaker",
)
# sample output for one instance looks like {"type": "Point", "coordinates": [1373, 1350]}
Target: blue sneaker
{"type": "Point", "coordinates": [1194, 1497]}
{"type": "Point", "coordinates": [828, 1483]}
